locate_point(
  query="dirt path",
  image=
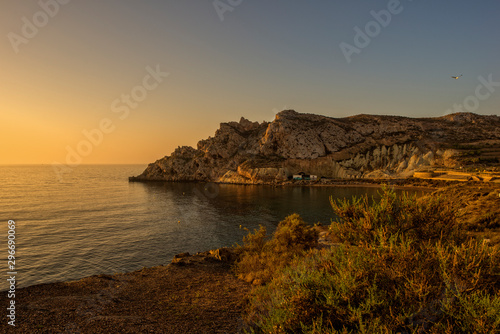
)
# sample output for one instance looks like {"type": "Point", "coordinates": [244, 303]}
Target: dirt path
{"type": "Point", "coordinates": [199, 294]}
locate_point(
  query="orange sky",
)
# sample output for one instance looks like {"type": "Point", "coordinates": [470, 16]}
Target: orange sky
{"type": "Point", "coordinates": [103, 65]}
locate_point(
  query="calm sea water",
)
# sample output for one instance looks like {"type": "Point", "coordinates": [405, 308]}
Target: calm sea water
{"type": "Point", "coordinates": [96, 222]}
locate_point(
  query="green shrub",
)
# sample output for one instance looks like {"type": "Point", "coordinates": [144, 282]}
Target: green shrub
{"type": "Point", "coordinates": [260, 258]}
{"type": "Point", "coordinates": [361, 290]}
{"type": "Point", "coordinates": [418, 219]}
{"type": "Point", "coordinates": [402, 266]}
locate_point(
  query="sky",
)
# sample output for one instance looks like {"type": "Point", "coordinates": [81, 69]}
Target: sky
{"type": "Point", "coordinates": [122, 81]}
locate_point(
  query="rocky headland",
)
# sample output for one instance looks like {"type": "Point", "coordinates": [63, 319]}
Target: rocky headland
{"type": "Point", "coordinates": [362, 146]}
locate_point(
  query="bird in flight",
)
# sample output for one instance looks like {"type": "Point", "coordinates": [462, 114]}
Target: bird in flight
{"type": "Point", "coordinates": [456, 77]}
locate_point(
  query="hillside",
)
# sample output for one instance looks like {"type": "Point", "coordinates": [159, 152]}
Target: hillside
{"type": "Point", "coordinates": [362, 146]}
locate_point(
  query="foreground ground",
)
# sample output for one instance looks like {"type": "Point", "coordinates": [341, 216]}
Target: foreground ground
{"type": "Point", "coordinates": [198, 295]}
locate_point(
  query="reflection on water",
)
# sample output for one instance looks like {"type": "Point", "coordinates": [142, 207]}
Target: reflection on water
{"type": "Point", "coordinates": [96, 222]}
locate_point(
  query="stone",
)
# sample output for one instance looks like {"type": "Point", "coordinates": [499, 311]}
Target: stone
{"type": "Point", "coordinates": [223, 254]}
{"type": "Point", "coordinates": [360, 146]}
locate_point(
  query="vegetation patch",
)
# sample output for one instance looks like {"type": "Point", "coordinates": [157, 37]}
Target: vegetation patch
{"type": "Point", "coordinates": [402, 264]}
{"type": "Point", "coordinates": [260, 256]}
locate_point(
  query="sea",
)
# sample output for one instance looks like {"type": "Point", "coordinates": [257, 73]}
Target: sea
{"type": "Point", "coordinates": [91, 220]}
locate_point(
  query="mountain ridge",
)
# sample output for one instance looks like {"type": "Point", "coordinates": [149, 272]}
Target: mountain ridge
{"type": "Point", "coordinates": [359, 146]}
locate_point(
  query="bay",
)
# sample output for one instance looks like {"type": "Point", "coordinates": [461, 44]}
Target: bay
{"type": "Point", "coordinates": [91, 220]}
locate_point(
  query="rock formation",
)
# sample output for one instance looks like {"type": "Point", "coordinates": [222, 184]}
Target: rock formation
{"type": "Point", "coordinates": [362, 146]}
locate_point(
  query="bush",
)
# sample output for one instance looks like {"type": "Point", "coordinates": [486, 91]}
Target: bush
{"type": "Point", "coordinates": [403, 266]}
{"type": "Point", "coordinates": [260, 258]}
{"type": "Point", "coordinates": [357, 290]}
{"type": "Point", "coordinates": [418, 219]}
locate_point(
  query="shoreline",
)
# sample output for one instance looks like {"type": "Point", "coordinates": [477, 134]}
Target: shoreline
{"type": "Point", "coordinates": [408, 183]}
{"type": "Point", "coordinates": [342, 184]}
{"type": "Point", "coordinates": [428, 188]}
{"type": "Point", "coordinates": [193, 293]}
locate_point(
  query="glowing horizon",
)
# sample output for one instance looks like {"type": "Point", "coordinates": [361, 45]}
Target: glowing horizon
{"type": "Point", "coordinates": [152, 76]}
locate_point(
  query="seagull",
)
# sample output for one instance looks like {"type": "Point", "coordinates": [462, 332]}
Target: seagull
{"type": "Point", "coordinates": [456, 77]}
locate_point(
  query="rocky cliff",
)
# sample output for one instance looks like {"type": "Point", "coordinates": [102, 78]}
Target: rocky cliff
{"type": "Point", "coordinates": [362, 146]}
